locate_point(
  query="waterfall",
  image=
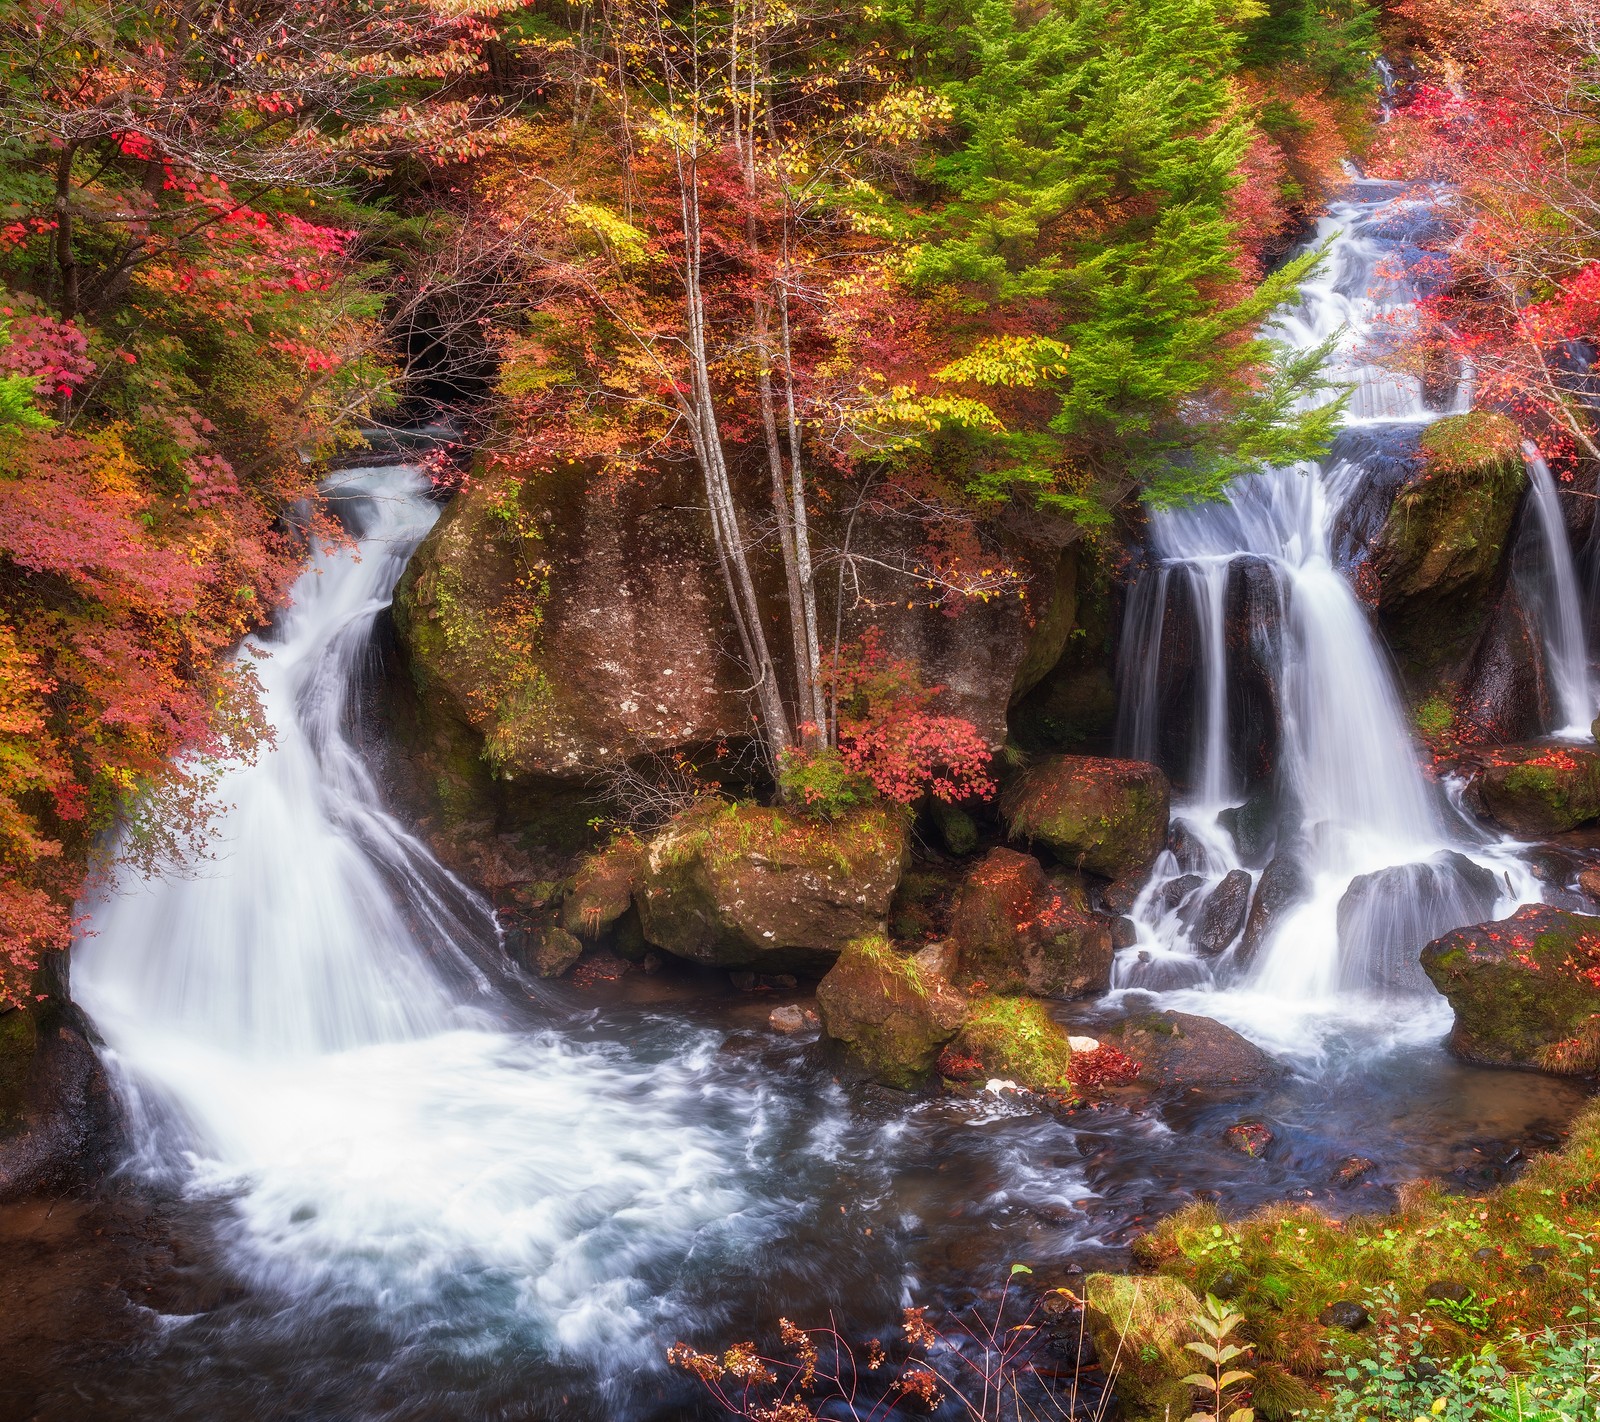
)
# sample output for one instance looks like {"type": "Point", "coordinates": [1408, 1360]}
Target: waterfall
{"type": "Point", "coordinates": [298, 1030]}
{"type": "Point", "coordinates": [1347, 802]}
{"type": "Point", "coordinates": [1557, 608]}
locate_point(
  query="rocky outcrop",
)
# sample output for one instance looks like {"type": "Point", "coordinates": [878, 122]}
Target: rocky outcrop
{"type": "Point", "coordinates": [1178, 1049]}
{"type": "Point", "coordinates": [1534, 791]}
{"type": "Point", "coordinates": [1015, 932]}
{"type": "Point", "coordinates": [1016, 1039]}
{"type": "Point", "coordinates": [886, 1013]}
{"type": "Point", "coordinates": [1440, 548]}
{"type": "Point", "coordinates": [1105, 816]}
{"type": "Point", "coordinates": [768, 890]}
{"type": "Point", "coordinates": [1525, 989]}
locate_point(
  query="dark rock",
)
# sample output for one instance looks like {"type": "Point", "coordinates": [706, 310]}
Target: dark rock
{"type": "Point", "coordinates": [1552, 866]}
{"type": "Point", "coordinates": [1177, 1049]}
{"type": "Point", "coordinates": [1175, 891]}
{"type": "Point", "coordinates": [1014, 931]}
{"type": "Point", "coordinates": [1226, 1285]}
{"type": "Point", "coordinates": [1533, 1272]}
{"type": "Point", "coordinates": [1345, 1314]}
{"type": "Point", "coordinates": [1124, 933]}
{"type": "Point", "coordinates": [1253, 827]}
{"type": "Point", "coordinates": [1118, 896]}
{"type": "Point", "coordinates": [889, 1018]}
{"type": "Point", "coordinates": [1284, 886]}
{"type": "Point", "coordinates": [1385, 918]}
{"type": "Point", "coordinates": [1105, 816]}
{"type": "Point", "coordinates": [1545, 1252]}
{"type": "Point", "coordinates": [1502, 697]}
{"type": "Point", "coordinates": [956, 828]}
{"type": "Point", "coordinates": [1484, 1255]}
{"type": "Point", "coordinates": [768, 890]}
{"type": "Point", "coordinates": [1182, 846]}
{"type": "Point", "coordinates": [1523, 988]}
{"type": "Point", "coordinates": [1253, 617]}
{"type": "Point", "coordinates": [1223, 914]}
{"type": "Point", "coordinates": [1446, 1291]}
{"type": "Point", "coordinates": [61, 1122]}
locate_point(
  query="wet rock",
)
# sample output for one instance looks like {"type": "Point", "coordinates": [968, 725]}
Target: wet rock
{"type": "Point", "coordinates": [1015, 1038]}
{"type": "Point", "coordinates": [558, 950]}
{"type": "Point", "coordinates": [1353, 1168]}
{"type": "Point", "coordinates": [1222, 915]}
{"type": "Point", "coordinates": [768, 890]}
{"type": "Point", "coordinates": [1525, 989]}
{"type": "Point", "coordinates": [1144, 1323]}
{"type": "Point", "coordinates": [1440, 548]}
{"type": "Point", "coordinates": [890, 1019]}
{"type": "Point", "coordinates": [790, 1019]}
{"type": "Point", "coordinates": [1105, 816]}
{"type": "Point", "coordinates": [59, 1121]}
{"type": "Point", "coordinates": [1124, 933]}
{"type": "Point", "coordinates": [603, 888]}
{"type": "Point", "coordinates": [1015, 932]}
{"type": "Point", "coordinates": [1119, 896]}
{"type": "Point", "coordinates": [1345, 1314]}
{"type": "Point", "coordinates": [1533, 1272]}
{"type": "Point", "coordinates": [1534, 791]}
{"type": "Point", "coordinates": [1253, 617]}
{"type": "Point", "coordinates": [1175, 891]}
{"type": "Point", "coordinates": [1386, 917]}
{"type": "Point", "coordinates": [1251, 1138]}
{"type": "Point", "coordinates": [1589, 884]}
{"type": "Point", "coordinates": [1501, 697]}
{"type": "Point", "coordinates": [1178, 1049]}
{"type": "Point", "coordinates": [1284, 886]}
{"type": "Point", "coordinates": [1253, 827]}
{"type": "Point", "coordinates": [1183, 847]}
{"type": "Point", "coordinates": [956, 828]}
{"type": "Point", "coordinates": [1226, 1285]}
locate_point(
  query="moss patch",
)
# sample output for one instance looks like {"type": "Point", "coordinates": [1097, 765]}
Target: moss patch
{"type": "Point", "coordinates": [19, 1036]}
{"type": "Point", "coordinates": [1016, 1038]}
{"type": "Point", "coordinates": [887, 1017]}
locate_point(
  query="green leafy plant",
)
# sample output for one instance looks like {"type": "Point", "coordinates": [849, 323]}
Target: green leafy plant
{"type": "Point", "coordinates": [1216, 1323]}
{"type": "Point", "coordinates": [820, 783]}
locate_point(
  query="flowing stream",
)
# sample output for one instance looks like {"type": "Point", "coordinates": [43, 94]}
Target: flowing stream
{"type": "Point", "coordinates": [418, 1185]}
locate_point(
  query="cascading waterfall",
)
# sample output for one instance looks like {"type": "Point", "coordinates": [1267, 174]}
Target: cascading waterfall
{"type": "Point", "coordinates": [1557, 608]}
{"type": "Point", "coordinates": [1368, 860]}
{"type": "Point", "coordinates": [298, 1030]}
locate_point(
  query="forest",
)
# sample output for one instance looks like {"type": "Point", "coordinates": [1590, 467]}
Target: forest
{"type": "Point", "coordinates": [741, 708]}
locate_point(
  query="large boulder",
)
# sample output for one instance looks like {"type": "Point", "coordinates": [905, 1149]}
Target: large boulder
{"type": "Point", "coordinates": [1386, 917]}
{"type": "Point", "coordinates": [769, 890]}
{"type": "Point", "coordinates": [1525, 989]}
{"type": "Point", "coordinates": [1179, 1049]}
{"type": "Point", "coordinates": [1440, 548]}
{"type": "Point", "coordinates": [1220, 916]}
{"type": "Point", "coordinates": [1015, 932]}
{"type": "Point", "coordinates": [1016, 1039]}
{"type": "Point", "coordinates": [603, 888]}
{"type": "Point", "coordinates": [1106, 816]}
{"type": "Point", "coordinates": [887, 1012]}
{"type": "Point", "coordinates": [1535, 791]}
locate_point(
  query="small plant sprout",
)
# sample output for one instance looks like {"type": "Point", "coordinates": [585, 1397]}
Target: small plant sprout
{"type": "Point", "coordinates": [1216, 1323]}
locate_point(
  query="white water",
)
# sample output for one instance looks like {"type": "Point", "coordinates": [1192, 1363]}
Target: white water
{"type": "Point", "coordinates": [1558, 610]}
{"type": "Point", "coordinates": [299, 1031]}
{"type": "Point", "coordinates": [1349, 796]}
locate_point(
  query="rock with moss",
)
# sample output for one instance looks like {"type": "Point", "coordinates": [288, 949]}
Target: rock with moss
{"type": "Point", "coordinates": [558, 950]}
{"type": "Point", "coordinates": [1094, 813]}
{"type": "Point", "coordinates": [887, 1012]}
{"type": "Point", "coordinates": [1438, 553]}
{"type": "Point", "coordinates": [1180, 1049]}
{"type": "Point", "coordinates": [1140, 1324]}
{"type": "Point", "coordinates": [19, 1037]}
{"type": "Point", "coordinates": [1525, 989]}
{"type": "Point", "coordinates": [1016, 932]}
{"type": "Point", "coordinates": [1016, 1039]}
{"type": "Point", "coordinates": [769, 890]}
{"type": "Point", "coordinates": [1534, 791]}
{"type": "Point", "coordinates": [603, 888]}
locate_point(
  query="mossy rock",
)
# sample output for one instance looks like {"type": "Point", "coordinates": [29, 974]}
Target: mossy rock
{"type": "Point", "coordinates": [1440, 548]}
{"type": "Point", "coordinates": [603, 888]}
{"type": "Point", "coordinates": [1179, 1049]}
{"type": "Point", "coordinates": [1016, 932]}
{"type": "Point", "coordinates": [558, 950]}
{"type": "Point", "coordinates": [1139, 1324]}
{"type": "Point", "coordinates": [747, 887]}
{"type": "Point", "coordinates": [889, 1016]}
{"type": "Point", "coordinates": [1535, 791]}
{"type": "Point", "coordinates": [1095, 813]}
{"type": "Point", "coordinates": [19, 1038]}
{"type": "Point", "coordinates": [1525, 989]}
{"type": "Point", "coordinates": [1016, 1039]}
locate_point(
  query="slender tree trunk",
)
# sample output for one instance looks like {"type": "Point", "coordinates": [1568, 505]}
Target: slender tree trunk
{"type": "Point", "coordinates": [66, 261]}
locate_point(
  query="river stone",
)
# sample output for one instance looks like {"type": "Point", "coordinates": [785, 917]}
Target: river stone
{"type": "Point", "coordinates": [1178, 1049]}
{"type": "Point", "coordinates": [1284, 886]}
{"type": "Point", "coordinates": [1253, 826]}
{"type": "Point", "coordinates": [768, 890]}
{"type": "Point", "coordinates": [1222, 914]}
{"type": "Point", "coordinates": [1534, 791]}
{"type": "Point", "coordinates": [890, 1019]}
{"type": "Point", "coordinates": [1105, 816]}
{"type": "Point", "coordinates": [1175, 891]}
{"type": "Point", "coordinates": [1141, 1324]}
{"type": "Point", "coordinates": [1525, 989]}
{"type": "Point", "coordinates": [1345, 1314]}
{"type": "Point", "coordinates": [1015, 932]}
{"type": "Point", "coordinates": [1385, 918]}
